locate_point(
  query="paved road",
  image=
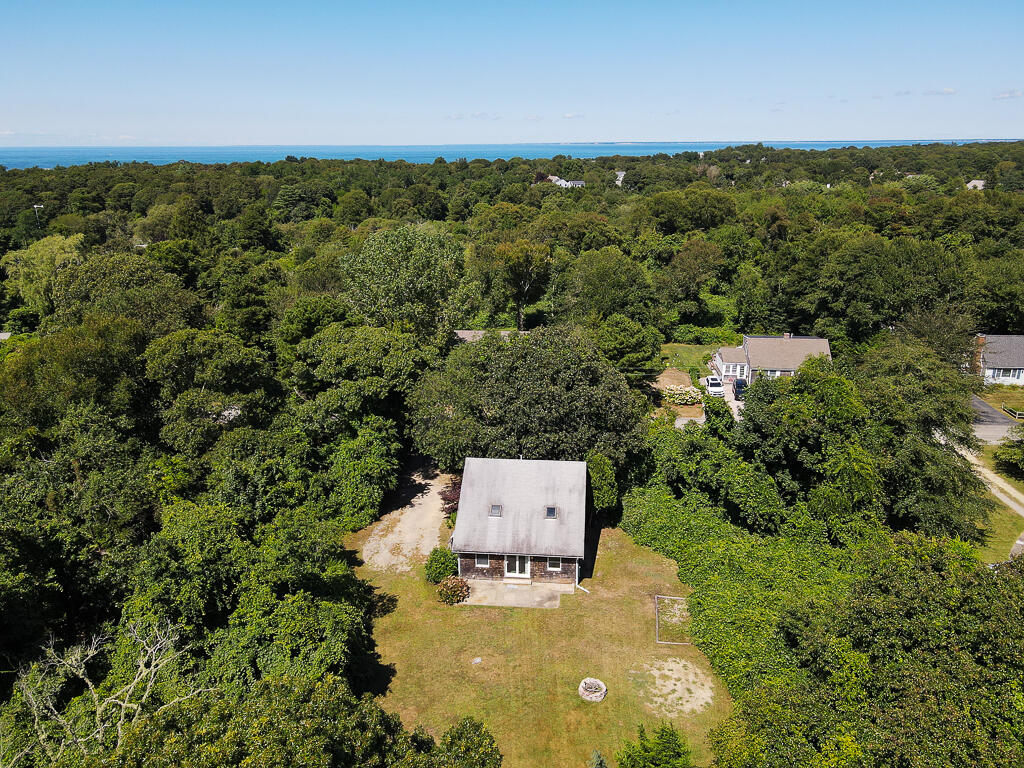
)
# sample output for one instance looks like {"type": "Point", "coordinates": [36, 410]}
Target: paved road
{"type": "Point", "coordinates": [990, 424]}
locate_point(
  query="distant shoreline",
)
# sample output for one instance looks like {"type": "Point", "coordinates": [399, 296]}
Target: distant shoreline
{"type": "Point", "coordinates": [51, 157]}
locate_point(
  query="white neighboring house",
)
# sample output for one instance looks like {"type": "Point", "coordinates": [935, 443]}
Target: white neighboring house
{"type": "Point", "coordinates": [767, 356]}
{"type": "Point", "coordinates": [976, 184]}
{"type": "Point", "coordinates": [565, 183]}
{"type": "Point", "coordinates": [1000, 359]}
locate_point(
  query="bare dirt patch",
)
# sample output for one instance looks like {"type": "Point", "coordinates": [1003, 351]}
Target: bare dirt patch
{"type": "Point", "coordinates": [678, 688]}
{"type": "Point", "coordinates": [672, 377]}
{"type": "Point", "coordinates": [402, 539]}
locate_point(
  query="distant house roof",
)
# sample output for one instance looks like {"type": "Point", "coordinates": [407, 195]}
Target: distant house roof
{"type": "Point", "coordinates": [976, 184]}
{"type": "Point", "coordinates": [783, 353]}
{"type": "Point", "coordinates": [523, 489]}
{"type": "Point", "coordinates": [5, 336]}
{"type": "Point", "coordinates": [1002, 351]}
{"type": "Point", "coordinates": [477, 335]}
{"type": "Point", "coordinates": [560, 182]}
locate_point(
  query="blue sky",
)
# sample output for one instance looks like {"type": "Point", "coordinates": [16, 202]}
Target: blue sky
{"type": "Point", "coordinates": [298, 72]}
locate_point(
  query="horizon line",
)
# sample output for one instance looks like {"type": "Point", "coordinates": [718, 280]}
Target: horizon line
{"type": "Point", "coordinates": [595, 142]}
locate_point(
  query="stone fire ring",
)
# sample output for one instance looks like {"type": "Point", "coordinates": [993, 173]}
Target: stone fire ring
{"type": "Point", "coordinates": [592, 689]}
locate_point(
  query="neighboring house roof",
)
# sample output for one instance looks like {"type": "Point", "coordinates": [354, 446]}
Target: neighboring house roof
{"type": "Point", "coordinates": [523, 488]}
{"type": "Point", "coordinates": [1003, 351]}
{"type": "Point", "coordinates": [558, 181]}
{"type": "Point", "coordinates": [5, 336]}
{"type": "Point", "coordinates": [732, 354]}
{"type": "Point", "coordinates": [477, 335]}
{"type": "Point", "coordinates": [976, 184]}
{"type": "Point", "coordinates": [783, 353]}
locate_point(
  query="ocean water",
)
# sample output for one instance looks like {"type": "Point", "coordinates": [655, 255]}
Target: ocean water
{"type": "Point", "coordinates": [50, 157]}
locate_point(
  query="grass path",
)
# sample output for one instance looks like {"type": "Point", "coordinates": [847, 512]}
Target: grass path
{"type": "Point", "coordinates": [1006, 525]}
{"type": "Point", "coordinates": [530, 662]}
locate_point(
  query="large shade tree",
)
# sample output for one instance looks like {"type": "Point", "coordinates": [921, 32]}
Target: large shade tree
{"type": "Point", "coordinates": [549, 395]}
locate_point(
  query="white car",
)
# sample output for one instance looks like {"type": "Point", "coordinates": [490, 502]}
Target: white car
{"type": "Point", "coordinates": [715, 387]}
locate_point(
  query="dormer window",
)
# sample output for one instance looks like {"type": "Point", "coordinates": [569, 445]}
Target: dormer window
{"type": "Point", "coordinates": [495, 510]}
{"type": "Point", "coordinates": [550, 513]}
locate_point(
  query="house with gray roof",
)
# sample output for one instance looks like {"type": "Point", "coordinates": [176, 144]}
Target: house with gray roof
{"type": "Point", "coordinates": [1000, 359]}
{"type": "Point", "coordinates": [767, 356]}
{"type": "Point", "coordinates": [521, 520]}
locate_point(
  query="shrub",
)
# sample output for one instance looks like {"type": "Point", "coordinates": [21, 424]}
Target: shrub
{"type": "Point", "coordinates": [452, 590]}
{"type": "Point", "coordinates": [677, 394]}
{"type": "Point", "coordinates": [441, 564]}
{"type": "Point", "coordinates": [450, 498]}
{"type": "Point", "coordinates": [665, 748]}
{"type": "Point", "coordinates": [694, 372]}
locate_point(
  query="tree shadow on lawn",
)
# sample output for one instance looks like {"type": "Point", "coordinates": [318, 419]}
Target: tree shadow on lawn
{"type": "Point", "coordinates": [366, 672]}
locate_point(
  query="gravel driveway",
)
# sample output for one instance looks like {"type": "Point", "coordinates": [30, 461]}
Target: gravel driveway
{"type": "Point", "coordinates": [401, 540]}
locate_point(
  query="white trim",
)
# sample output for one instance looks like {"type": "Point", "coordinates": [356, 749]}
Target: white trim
{"type": "Point", "coordinates": [578, 561]}
{"type": "Point", "coordinates": [476, 560]}
{"type": "Point", "coordinates": [517, 575]}
{"type": "Point", "coordinates": [558, 568]}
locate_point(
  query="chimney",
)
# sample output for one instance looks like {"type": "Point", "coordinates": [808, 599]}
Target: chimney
{"type": "Point", "coordinates": [787, 335]}
{"type": "Point", "coordinates": [979, 350]}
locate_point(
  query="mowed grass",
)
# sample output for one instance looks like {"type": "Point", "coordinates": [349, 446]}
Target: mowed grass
{"type": "Point", "coordinates": [682, 356]}
{"type": "Point", "coordinates": [999, 395]}
{"type": "Point", "coordinates": [532, 660]}
{"type": "Point", "coordinates": [1004, 525]}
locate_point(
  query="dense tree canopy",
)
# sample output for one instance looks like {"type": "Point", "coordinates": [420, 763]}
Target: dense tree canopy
{"type": "Point", "coordinates": [549, 395]}
{"type": "Point", "coordinates": [215, 373]}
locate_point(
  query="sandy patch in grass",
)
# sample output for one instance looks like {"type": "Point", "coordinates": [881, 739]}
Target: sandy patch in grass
{"type": "Point", "coordinates": [678, 688]}
{"type": "Point", "coordinates": [672, 377]}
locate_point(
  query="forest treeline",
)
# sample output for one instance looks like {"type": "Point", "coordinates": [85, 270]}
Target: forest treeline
{"type": "Point", "coordinates": [215, 373]}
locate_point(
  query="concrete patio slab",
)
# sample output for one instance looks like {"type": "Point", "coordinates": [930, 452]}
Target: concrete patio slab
{"type": "Point", "coordinates": [506, 595]}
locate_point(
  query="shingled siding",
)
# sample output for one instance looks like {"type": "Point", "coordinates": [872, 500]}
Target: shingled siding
{"type": "Point", "coordinates": [468, 569]}
{"type": "Point", "coordinates": [538, 569]}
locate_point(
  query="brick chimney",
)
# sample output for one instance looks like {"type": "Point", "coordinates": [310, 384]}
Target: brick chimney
{"type": "Point", "coordinates": [979, 349]}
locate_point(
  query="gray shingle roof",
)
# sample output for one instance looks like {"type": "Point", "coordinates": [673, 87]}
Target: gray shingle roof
{"type": "Point", "coordinates": [782, 354]}
{"type": "Point", "coordinates": [732, 355]}
{"type": "Point", "coordinates": [1003, 351]}
{"type": "Point", "coordinates": [523, 488]}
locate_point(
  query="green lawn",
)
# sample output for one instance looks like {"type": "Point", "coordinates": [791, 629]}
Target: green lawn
{"type": "Point", "coordinates": [532, 660]}
{"type": "Point", "coordinates": [1005, 525]}
{"type": "Point", "coordinates": [999, 395]}
{"type": "Point", "coordinates": [682, 356]}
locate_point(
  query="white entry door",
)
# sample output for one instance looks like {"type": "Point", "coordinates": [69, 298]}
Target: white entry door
{"type": "Point", "coordinates": [517, 566]}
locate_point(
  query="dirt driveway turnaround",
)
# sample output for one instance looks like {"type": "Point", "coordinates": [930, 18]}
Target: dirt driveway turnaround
{"type": "Point", "coordinates": [401, 540]}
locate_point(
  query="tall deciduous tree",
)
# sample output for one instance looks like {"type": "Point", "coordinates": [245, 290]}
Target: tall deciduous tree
{"type": "Point", "coordinates": [549, 395]}
{"type": "Point", "coordinates": [34, 269]}
{"type": "Point", "coordinates": [405, 278]}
